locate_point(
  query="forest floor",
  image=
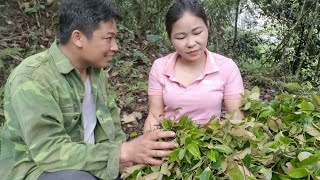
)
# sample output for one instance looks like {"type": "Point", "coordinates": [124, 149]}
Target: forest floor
{"type": "Point", "coordinates": [24, 32]}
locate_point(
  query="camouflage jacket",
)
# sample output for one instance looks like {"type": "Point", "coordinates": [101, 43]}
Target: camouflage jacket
{"type": "Point", "coordinates": [43, 129]}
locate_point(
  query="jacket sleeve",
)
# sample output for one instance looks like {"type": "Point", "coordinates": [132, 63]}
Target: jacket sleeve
{"type": "Point", "coordinates": [42, 128]}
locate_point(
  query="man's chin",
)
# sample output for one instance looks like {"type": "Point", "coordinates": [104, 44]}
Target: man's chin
{"type": "Point", "coordinates": [102, 65]}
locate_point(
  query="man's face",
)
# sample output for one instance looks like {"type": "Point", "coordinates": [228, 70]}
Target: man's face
{"type": "Point", "coordinates": [99, 49]}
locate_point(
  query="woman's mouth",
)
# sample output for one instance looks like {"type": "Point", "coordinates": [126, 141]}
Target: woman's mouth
{"type": "Point", "coordinates": [193, 53]}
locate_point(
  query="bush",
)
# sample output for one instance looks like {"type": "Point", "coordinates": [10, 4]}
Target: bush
{"type": "Point", "coordinates": [279, 139]}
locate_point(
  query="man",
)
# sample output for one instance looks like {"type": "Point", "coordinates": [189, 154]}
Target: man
{"type": "Point", "coordinates": [60, 123]}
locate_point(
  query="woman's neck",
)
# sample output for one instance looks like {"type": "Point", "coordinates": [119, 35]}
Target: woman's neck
{"type": "Point", "coordinates": [197, 64]}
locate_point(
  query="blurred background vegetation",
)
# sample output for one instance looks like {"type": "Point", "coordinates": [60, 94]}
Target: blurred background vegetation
{"type": "Point", "coordinates": [272, 41]}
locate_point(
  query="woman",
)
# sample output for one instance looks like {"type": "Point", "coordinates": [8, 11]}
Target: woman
{"type": "Point", "coordinates": [193, 80]}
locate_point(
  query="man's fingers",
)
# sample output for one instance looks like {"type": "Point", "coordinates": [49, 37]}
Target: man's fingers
{"type": "Point", "coordinates": [164, 145]}
{"type": "Point", "coordinates": [158, 134]}
{"type": "Point", "coordinates": [160, 153]}
{"type": "Point", "coordinates": [154, 162]}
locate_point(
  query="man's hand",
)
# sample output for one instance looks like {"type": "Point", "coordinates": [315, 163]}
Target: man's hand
{"type": "Point", "coordinates": [125, 165]}
{"type": "Point", "coordinates": [146, 148]}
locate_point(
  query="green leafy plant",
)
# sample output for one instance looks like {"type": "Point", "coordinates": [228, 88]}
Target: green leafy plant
{"type": "Point", "coordinates": [8, 52]}
{"type": "Point", "coordinates": [279, 139]}
{"type": "Point", "coordinates": [34, 8]}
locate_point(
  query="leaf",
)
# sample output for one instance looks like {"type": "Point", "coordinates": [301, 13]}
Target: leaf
{"type": "Point", "coordinates": [206, 174]}
{"type": "Point", "coordinates": [131, 117]}
{"type": "Point", "coordinates": [306, 106]}
{"type": "Point", "coordinates": [134, 168]}
{"type": "Point", "coordinates": [255, 90]}
{"type": "Point", "coordinates": [235, 174]}
{"type": "Point", "coordinates": [315, 98]}
{"type": "Point", "coordinates": [243, 134]}
{"type": "Point", "coordinates": [187, 140]}
{"type": "Point", "coordinates": [285, 140]}
{"type": "Point", "coordinates": [211, 155]}
{"type": "Point", "coordinates": [247, 160]}
{"type": "Point", "coordinates": [247, 106]}
{"type": "Point", "coordinates": [182, 152]}
{"type": "Point", "coordinates": [293, 86]}
{"type": "Point", "coordinates": [133, 134]}
{"type": "Point", "coordinates": [273, 125]}
{"type": "Point", "coordinates": [183, 119]}
{"type": "Point", "coordinates": [164, 169]}
{"type": "Point", "coordinates": [298, 173]}
{"type": "Point", "coordinates": [267, 173]}
{"type": "Point", "coordinates": [166, 124]}
{"type": "Point", "coordinates": [254, 96]}
{"type": "Point", "coordinates": [291, 117]}
{"type": "Point", "coordinates": [242, 154]}
{"type": "Point", "coordinates": [153, 38]}
{"type": "Point", "coordinates": [265, 113]}
{"type": "Point", "coordinates": [197, 165]}
{"type": "Point", "coordinates": [312, 160]}
{"type": "Point", "coordinates": [309, 85]}
{"type": "Point", "coordinates": [255, 169]}
{"type": "Point", "coordinates": [152, 176]}
{"type": "Point", "coordinates": [312, 131]}
{"type": "Point", "coordinates": [194, 150]}
{"type": "Point", "coordinates": [304, 155]}
{"type": "Point", "coordinates": [222, 148]}
{"type": "Point", "coordinates": [214, 125]}
{"type": "Point", "coordinates": [173, 156]}
{"type": "Point", "coordinates": [155, 168]}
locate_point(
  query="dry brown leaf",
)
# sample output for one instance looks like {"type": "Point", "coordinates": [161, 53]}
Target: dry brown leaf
{"type": "Point", "coordinates": [131, 117]}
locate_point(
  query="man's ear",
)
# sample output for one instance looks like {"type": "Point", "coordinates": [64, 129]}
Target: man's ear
{"type": "Point", "coordinates": [77, 38]}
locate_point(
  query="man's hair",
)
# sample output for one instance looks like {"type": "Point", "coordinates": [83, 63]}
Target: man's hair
{"type": "Point", "coordinates": [85, 16]}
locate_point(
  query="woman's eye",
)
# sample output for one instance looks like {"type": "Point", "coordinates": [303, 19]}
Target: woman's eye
{"type": "Point", "coordinates": [197, 33]}
{"type": "Point", "coordinates": [179, 38]}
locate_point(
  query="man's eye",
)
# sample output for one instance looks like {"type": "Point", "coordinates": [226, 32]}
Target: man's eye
{"type": "Point", "coordinates": [197, 33]}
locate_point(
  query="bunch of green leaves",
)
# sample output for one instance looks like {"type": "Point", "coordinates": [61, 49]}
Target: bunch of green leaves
{"type": "Point", "coordinates": [277, 140]}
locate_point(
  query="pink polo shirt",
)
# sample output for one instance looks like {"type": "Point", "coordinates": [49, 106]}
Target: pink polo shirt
{"type": "Point", "coordinates": [202, 99]}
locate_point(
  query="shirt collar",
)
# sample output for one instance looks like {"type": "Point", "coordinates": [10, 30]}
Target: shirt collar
{"type": "Point", "coordinates": [210, 67]}
{"type": "Point", "coordinates": [63, 64]}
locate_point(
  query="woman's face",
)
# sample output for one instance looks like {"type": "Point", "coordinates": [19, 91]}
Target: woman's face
{"type": "Point", "coordinates": [189, 37]}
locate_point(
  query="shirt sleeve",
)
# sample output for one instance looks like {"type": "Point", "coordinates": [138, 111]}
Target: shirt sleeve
{"type": "Point", "coordinates": [42, 129]}
{"type": "Point", "coordinates": [234, 86]}
{"type": "Point", "coordinates": [154, 85]}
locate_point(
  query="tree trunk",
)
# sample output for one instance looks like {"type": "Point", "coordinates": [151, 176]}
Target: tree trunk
{"type": "Point", "coordinates": [298, 49]}
{"type": "Point", "coordinates": [235, 39]}
{"type": "Point", "coordinates": [315, 14]}
{"type": "Point", "coordinates": [284, 43]}
{"type": "Point", "coordinates": [318, 67]}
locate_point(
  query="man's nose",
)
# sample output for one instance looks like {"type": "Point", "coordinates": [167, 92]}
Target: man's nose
{"type": "Point", "coordinates": [114, 46]}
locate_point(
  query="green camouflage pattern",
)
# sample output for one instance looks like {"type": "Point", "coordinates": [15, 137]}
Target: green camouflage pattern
{"type": "Point", "coordinates": [43, 130]}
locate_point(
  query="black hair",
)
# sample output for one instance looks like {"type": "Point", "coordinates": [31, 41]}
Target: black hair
{"type": "Point", "coordinates": [179, 8]}
{"type": "Point", "coordinates": [85, 16]}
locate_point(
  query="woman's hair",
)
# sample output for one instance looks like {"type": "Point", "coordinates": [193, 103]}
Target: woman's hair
{"type": "Point", "coordinates": [85, 16]}
{"type": "Point", "coordinates": [179, 8]}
